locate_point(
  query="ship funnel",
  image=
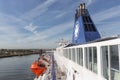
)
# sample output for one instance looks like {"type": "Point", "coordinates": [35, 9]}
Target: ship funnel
{"type": "Point", "coordinates": [80, 11]}
{"type": "Point", "coordinates": [84, 28]}
{"type": "Point", "coordinates": [82, 6]}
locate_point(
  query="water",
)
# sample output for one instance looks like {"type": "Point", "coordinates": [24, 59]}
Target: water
{"type": "Point", "coordinates": [17, 68]}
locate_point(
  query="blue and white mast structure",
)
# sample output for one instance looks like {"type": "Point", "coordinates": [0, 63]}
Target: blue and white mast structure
{"type": "Point", "coordinates": [84, 28]}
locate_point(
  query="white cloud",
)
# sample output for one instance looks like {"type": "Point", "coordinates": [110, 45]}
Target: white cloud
{"type": "Point", "coordinates": [9, 26]}
{"type": "Point", "coordinates": [62, 14]}
{"type": "Point", "coordinates": [107, 14]}
{"type": "Point", "coordinates": [8, 19]}
{"type": "Point", "coordinates": [57, 29]}
{"type": "Point", "coordinates": [40, 9]}
{"type": "Point", "coordinates": [31, 28]}
{"type": "Point", "coordinates": [12, 32]}
{"type": "Point", "coordinates": [108, 28]}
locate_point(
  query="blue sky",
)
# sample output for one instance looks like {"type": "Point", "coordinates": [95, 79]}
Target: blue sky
{"type": "Point", "coordinates": [40, 23]}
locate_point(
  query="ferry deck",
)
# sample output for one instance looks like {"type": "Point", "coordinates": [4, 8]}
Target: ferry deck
{"type": "Point", "coordinates": [99, 60]}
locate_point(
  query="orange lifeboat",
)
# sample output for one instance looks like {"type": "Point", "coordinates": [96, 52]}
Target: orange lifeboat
{"type": "Point", "coordinates": [38, 68]}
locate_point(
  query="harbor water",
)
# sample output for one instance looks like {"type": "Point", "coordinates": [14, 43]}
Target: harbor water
{"type": "Point", "coordinates": [17, 68]}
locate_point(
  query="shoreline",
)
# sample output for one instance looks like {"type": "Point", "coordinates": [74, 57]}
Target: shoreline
{"type": "Point", "coordinates": [6, 56]}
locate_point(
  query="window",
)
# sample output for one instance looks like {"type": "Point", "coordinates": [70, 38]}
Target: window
{"type": "Point", "coordinates": [110, 62]}
{"type": "Point", "coordinates": [104, 50]}
{"type": "Point", "coordinates": [94, 59]}
{"type": "Point", "coordinates": [91, 58]}
{"type": "Point", "coordinates": [114, 57]}
{"type": "Point", "coordinates": [73, 54]}
{"type": "Point", "coordinates": [70, 54]}
{"type": "Point", "coordinates": [87, 57]}
{"type": "Point", "coordinates": [80, 56]}
{"type": "Point", "coordinates": [66, 53]}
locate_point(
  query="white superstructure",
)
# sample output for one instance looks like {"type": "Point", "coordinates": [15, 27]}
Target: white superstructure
{"type": "Point", "coordinates": [99, 60]}
{"type": "Point", "coordinates": [89, 57]}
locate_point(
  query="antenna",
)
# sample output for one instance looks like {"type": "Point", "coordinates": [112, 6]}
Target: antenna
{"type": "Point", "coordinates": [62, 42]}
{"type": "Point", "coordinates": [103, 34]}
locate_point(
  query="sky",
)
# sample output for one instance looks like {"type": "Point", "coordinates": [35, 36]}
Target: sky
{"type": "Point", "coordinates": [34, 24]}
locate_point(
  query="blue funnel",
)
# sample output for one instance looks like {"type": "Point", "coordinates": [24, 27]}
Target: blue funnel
{"type": "Point", "coordinates": [84, 28]}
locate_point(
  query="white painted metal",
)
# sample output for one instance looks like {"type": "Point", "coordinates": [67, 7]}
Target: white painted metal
{"type": "Point", "coordinates": [73, 69]}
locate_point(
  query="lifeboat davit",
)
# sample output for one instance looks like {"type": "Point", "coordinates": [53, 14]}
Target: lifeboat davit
{"type": "Point", "coordinates": [38, 68]}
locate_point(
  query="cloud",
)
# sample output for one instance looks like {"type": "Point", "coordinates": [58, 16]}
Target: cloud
{"type": "Point", "coordinates": [107, 14]}
{"type": "Point", "coordinates": [55, 30]}
{"type": "Point", "coordinates": [31, 28]}
{"type": "Point", "coordinates": [9, 19]}
{"type": "Point", "coordinates": [62, 14]}
{"type": "Point", "coordinates": [110, 29]}
{"type": "Point", "coordinates": [13, 27]}
{"type": "Point", "coordinates": [106, 27]}
{"type": "Point", "coordinates": [9, 37]}
{"type": "Point", "coordinates": [40, 9]}
{"type": "Point", "coordinates": [59, 28]}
